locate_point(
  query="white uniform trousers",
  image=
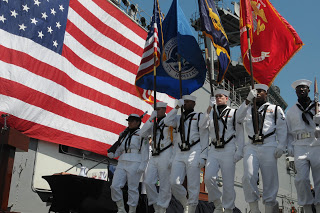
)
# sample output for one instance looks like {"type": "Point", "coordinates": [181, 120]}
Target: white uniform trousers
{"type": "Point", "coordinates": [255, 157]}
{"type": "Point", "coordinates": [306, 157]}
{"type": "Point", "coordinates": [186, 163]}
{"type": "Point", "coordinates": [158, 170]}
{"type": "Point", "coordinates": [126, 171]}
{"type": "Point", "coordinates": [221, 159]}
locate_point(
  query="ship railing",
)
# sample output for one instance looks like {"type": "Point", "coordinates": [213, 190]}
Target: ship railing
{"type": "Point", "coordinates": [132, 9]}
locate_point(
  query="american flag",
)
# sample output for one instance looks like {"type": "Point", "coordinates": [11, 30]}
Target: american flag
{"type": "Point", "coordinates": [152, 46]}
{"type": "Point", "coordinates": [67, 70]}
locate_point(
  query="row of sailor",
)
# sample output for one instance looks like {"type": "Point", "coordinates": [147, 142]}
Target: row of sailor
{"type": "Point", "coordinates": [216, 140]}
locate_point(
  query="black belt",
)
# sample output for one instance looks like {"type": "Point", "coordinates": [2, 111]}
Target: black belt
{"type": "Point", "coordinates": [260, 138]}
{"type": "Point", "coordinates": [189, 146]}
{"type": "Point", "coordinates": [158, 153]}
{"type": "Point", "coordinates": [223, 142]}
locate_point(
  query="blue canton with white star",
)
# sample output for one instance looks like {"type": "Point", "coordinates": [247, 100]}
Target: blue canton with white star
{"type": "Point", "coordinates": [42, 21]}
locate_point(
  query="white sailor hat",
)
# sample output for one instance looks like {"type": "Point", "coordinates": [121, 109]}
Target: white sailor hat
{"type": "Point", "coordinates": [161, 105]}
{"type": "Point", "coordinates": [222, 91]}
{"type": "Point", "coordinates": [301, 82]}
{"type": "Point", "coordinates": [189, 97]}
{"type": "Point", "coordinates": [134, 116]}
{"type": "Point", "coordinates": [261, 86]}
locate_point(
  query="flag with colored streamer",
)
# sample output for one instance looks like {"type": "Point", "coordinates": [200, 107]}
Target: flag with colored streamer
{"type": "Point", "coordinates": [178, 40]}
{"type": "Point", "coordinates": [151, 53]}
{"type": "Point", "coordinates": [212, 27]}
{"type": "Point", "coordinates": [274, 41]}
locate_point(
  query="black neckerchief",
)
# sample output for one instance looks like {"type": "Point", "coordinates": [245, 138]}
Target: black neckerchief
{"type": "Point", "coordinates": [259, 104]}
{"type": "Point", "coordinates": [128, 140]}
{"type": "Point", "coordinates": [159, 119]}
{"type": "Point", "coordinates": [223, 112]}
{"type": "Point", "coordinates": [304, 102]}
{"type": "Point", "coordinates": [306, 110]}
{"type": "Point", "coordinates": [187, 112]}
{"type": "Point", "coordinates": [132, 130]}
{"type": "Point", "coordinates": [221, 108]}
{"type": "Point", "coordinates": [123, 134]}
{"type": "Point", "coordinates": [186, 115]}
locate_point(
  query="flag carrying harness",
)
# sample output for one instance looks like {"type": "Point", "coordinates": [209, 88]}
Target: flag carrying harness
{"type": "Point", "coordinates": [261, 117]}
{"type": "Point", "coordinates": [190, 116]}
{"type": "Point", "coordinates": [160, 127]}
{"type": "Point", "coordinates": [224, 122]}
{"type": "Point", "coordinates": [128, 142]}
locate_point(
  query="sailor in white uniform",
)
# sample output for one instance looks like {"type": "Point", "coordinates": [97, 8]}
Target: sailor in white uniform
{"type": "Point", "coordinates": [264, 145]}
{"type": "Point", "coordinates": [226, 149]}
{"type": "Point", "coordinates": [133, 153]}
{"type": "Point", "coordinates": [160, 162]}
{"type": "Point", "coordinates": [304, 145]}
{"type": "Point", "coordinates": [190, 154]}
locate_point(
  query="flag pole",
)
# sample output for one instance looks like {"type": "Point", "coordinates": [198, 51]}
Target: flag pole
{"type": "Point", "coordinates": [316, 96]}
{"type": "Point", "coordinates": [316, 107]}
{"type": "Point", "coordinates": [208, 65]}
{"type": "Point", "coordinates": [182, 116]}
{"type": "Point", "coordinates": [255, 118]}
{"type": "Point", "coordinates": [216, 124]}
{"type": "Point", "coordinates": [155, 148]}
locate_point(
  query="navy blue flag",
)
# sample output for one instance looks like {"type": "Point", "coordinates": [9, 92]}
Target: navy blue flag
{"type": "Point", "coordinates": [178, 40]}
{"type": "Point", "coordinates": [212, 27]}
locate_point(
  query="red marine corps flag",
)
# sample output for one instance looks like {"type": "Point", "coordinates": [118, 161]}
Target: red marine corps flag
{"type": "Point", "coordinates": [273, 39]}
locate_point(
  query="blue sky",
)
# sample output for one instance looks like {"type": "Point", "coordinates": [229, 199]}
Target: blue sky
{"type": "Point", "coordinates": [304, 19]}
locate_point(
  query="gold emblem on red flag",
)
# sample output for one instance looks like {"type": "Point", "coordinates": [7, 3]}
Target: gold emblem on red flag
{"type": "Point", "coordinates": [257, 12]}
{"type": "Point", "coordinates": [273, 40]}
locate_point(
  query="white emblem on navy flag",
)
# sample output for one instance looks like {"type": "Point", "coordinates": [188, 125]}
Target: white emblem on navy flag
{"type": "Point", "coordinates": [171, 64]}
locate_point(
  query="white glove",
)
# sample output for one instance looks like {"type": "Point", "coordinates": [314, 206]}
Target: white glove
{"type": "Point", "coordinates": [153, 115]}
{"type": "Point", "coordinates": [180, 103]}
{"type": "Point", "coordinates": [110, 155]}
{"type": "Point", "coordinates": [316, 118]}
{"type": "Point", "coordinates": [278, 153]}
{"type": "Point", "coordinates": [237, 156]}
{"type": "Point", "coordinates": [201, 163]}
{"type": "Point", "coordinates": [290, 151]}
{"type": "Point", "coordinates": [252, 94]}
{"type": "Point", "coordinates": [212, 101]}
